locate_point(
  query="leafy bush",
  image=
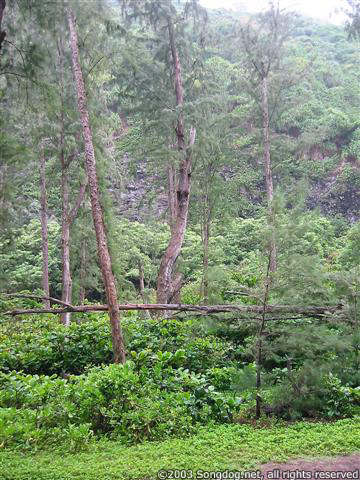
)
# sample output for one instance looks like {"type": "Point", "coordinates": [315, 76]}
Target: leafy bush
{"type": "Point", "coordinates": [126, 402]}
{"type": "Point", "coordinates": [58, 350]}
{"type": "Point", "coordinates": [341, 400]}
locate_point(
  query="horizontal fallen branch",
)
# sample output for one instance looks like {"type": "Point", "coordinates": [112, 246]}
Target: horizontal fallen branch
{"type": "Point", "coordinates": [207, 309]}
{"type": "Point", "coordinates": [52, 300]}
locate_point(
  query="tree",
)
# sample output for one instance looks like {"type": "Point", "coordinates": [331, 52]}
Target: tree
{"type": "Point", "coordinates": [90, 164]}
{"type": "Point", "coordinates": [214, 154]}
{"type": "Point", "coordinates": [264, 45]}
{"type": "Point", "coordinates": [166, 20]}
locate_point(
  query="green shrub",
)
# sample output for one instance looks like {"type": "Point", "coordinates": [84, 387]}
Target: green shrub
{"type": "Point", "coordinates": [123, 401]}
{"type": "Point", "coordinates": [58, 350]}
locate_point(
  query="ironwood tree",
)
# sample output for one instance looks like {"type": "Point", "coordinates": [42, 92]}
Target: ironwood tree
{"type": "Point", "coordinates": [97, 213]}
{"type": "Point", "coordinates": [263, 39]}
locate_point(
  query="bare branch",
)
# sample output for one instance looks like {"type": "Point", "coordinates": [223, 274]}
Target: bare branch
{"type": "Point", "coordinates": [309, 311]}
{"type": "Point", "coordinates": [39, 297]}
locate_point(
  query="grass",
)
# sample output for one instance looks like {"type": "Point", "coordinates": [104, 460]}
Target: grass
{"type": "Point", "coordinates": [237, 447]}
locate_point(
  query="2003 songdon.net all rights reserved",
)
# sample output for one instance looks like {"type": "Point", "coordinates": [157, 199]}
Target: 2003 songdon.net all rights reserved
{"type": "Point", "coordinates": [204, 475]}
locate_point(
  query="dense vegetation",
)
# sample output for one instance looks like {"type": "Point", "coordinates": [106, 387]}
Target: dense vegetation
{"type": "Point", "coordinates": [221, 167]}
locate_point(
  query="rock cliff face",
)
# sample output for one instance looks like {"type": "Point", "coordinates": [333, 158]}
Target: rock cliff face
{"type": "Point", "coordinates": [139, 193]}
{"type": "Point", "coordinates": [338, 189]}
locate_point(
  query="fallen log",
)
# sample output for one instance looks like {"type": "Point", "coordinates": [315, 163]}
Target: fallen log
{"type": "Point", "coordinates": [207, 309]}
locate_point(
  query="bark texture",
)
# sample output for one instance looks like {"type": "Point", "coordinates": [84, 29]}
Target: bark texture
{"type": "Point", "coordinates": [268, 173]}
{"type": "Point", "coordinates": [44, 229]}
{"type": "Point", "coordinates": [167, 287]}
{"type": "Point", "coordinates": [172, 195]}
{"type": "Point", "coordinates": [90, 164]}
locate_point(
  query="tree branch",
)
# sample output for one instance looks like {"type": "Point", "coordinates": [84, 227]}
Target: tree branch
{"type": "Point", "coordinates": [39, 297]}
{"type": "Point", "coordinates": [304, 311]}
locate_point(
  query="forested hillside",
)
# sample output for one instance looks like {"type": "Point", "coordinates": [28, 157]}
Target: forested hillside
{"type": "Point", "coordinates": [195, 174]}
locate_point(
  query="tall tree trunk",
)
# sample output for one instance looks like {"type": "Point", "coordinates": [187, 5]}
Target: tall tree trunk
{"type": "Point", "coordinates": [90, 164]}
{"type": "Point", "coordinates": [167, 288]}
{"type": "Point", "coordinates": [44, 229]}
{"type": "Point", "coordinates": [268, 174]}
{"type": "Point", "coordinates": [65, 230]}
{"type": "Point", "coordinates": [2, 32]}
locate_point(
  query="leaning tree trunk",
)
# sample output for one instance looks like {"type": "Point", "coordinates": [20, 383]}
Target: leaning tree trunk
{"type": "Point", "coordinates": [167, 287]}
{"type": "Point", "coordinates": [44, 229]}
{"type": "Point", "coordinates": [90, 164]}
{"type": "Point", "coordinates": [268, 174]}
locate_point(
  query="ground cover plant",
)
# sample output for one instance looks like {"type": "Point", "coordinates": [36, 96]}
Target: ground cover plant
{"type": "Point", "coordinates": [232, 447]}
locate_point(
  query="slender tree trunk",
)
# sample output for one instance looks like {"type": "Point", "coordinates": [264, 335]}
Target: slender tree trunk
{"type": "Point", "coordinates": [166, 287]}
{"type": "Point", "coordinates": [205, 239]}
{"type": "Point", "coordinates": [268, 174]}
{"type": "Point", "coordinates": [90, 164]}
{"type": "Point", "coordinates": [65, 231]}
{"type": "Point", "coordinates": [259, 340]}
{"type": "Point", "coordinates": [206, 233]}
{"type": "Point", "coordinates": [66, 295]}
{"type": "Point", "coordinates": [82, 295]}
{"type": "Point", "coordinates": [2, 32]}
{"type": "Point", "coordinates": [44, 229]}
